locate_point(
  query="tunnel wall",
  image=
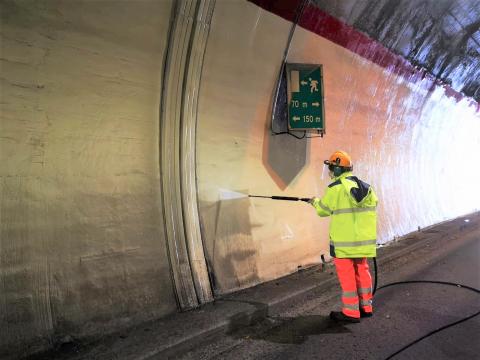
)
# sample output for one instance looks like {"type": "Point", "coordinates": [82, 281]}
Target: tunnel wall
{"type": "Point", "coordinates": [408, 136]}
{"type": "Point", "coordinates": [442, 36]}
{"type": "Point", "coordinates": [82, 243]}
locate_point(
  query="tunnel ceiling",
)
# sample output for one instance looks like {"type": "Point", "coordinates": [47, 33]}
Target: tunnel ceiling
{"type": "Point", "coordinates": [442, 36]}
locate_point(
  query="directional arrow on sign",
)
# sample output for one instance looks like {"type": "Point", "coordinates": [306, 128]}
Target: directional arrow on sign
{"type": "Point", "coordinates": [296, 118]}
{"type": "Point", "coordinates": [303, 82]}
{"type": "Point", "coordinates": [317, 104]}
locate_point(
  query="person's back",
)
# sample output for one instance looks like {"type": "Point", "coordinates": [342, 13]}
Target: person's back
{"type": "Point", "coordinates": [352, 205]}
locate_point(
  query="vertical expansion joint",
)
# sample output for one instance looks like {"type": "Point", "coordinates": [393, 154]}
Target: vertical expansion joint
{"type": "Point", "coordinates": [181, 82]}
{"type": "Point", "coordinates": [188, 151]}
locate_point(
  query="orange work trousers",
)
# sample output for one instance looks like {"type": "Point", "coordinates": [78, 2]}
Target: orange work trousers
{"type": "Point", "coordinates": [356, 284]}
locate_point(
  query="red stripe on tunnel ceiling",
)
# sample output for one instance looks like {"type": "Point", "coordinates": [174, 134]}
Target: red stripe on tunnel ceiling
{"type": "Point", "coordinates": [331, 28]}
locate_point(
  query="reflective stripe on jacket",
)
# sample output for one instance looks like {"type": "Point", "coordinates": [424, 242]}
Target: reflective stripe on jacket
{"type": "Point", "coordinates": [352, 205]}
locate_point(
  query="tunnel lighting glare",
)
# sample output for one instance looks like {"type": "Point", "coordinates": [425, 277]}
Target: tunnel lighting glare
{"type": "Point", "coordinates": [467, 220]}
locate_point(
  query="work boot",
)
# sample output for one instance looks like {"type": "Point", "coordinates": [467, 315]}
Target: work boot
{"type": "Point", "coordinates": [341, 317]}
{"type": "Point", "coordinates": [364, 314]}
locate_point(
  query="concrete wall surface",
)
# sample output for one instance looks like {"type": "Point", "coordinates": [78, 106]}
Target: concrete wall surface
{"type": "Point", "coordinates": [407, 136]}
{"type": "Point", "coordinates": [442, 36]}
{"type": "Point", "coordinates": [82, 243]}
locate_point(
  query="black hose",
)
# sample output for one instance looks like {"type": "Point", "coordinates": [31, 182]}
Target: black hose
{"type": "Point", "coordinates": [423, 282]}
{"type": "Point", "coordinates": [431, 333]}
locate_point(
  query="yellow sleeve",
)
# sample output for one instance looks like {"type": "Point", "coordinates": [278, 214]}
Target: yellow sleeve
{"type": "Point", "coordinates": [323, 205]}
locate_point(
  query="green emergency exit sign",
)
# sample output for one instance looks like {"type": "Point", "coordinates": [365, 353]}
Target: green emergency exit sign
{"type": "Point", "coordinates": [305, 97]}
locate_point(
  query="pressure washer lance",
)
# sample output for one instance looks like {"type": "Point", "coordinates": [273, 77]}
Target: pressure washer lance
{"type": "Point", "coordinates": [288, 198]}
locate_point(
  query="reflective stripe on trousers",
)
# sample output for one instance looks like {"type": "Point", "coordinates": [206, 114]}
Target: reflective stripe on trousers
{"type": "Point", "coordinates": [356, 284]}
{"type": "Point", "coordinates": [364, 284]}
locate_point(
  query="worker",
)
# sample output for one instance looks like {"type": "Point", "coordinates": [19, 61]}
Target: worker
{"type": "Point", "coordinates": [352, 205]}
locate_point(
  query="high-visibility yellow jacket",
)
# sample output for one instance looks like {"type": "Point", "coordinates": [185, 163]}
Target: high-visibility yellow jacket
{"type": "Point", "coordinates": [352, 205]}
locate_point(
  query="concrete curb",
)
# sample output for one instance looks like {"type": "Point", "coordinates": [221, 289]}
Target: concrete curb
{"type": "Point", "coordinates": [247, 307]}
